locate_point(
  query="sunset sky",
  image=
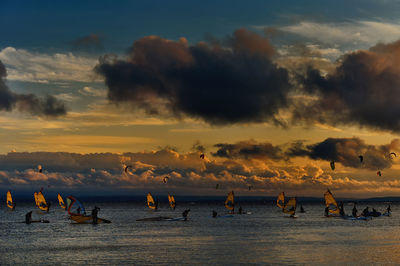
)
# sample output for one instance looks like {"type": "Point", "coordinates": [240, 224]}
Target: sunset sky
{"type": "Point", "coordinates": [270, 91]}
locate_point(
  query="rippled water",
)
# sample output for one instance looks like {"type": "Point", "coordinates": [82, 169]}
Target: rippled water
{"type": "Point", "coordinates": [264, 237]}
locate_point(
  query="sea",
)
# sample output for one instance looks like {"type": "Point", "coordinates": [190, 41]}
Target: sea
{"type": "Point", "coordinates": [263, 237]}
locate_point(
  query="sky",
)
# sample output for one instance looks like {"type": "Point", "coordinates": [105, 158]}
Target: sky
{"type": "Point", "coordinates": [115, 97]}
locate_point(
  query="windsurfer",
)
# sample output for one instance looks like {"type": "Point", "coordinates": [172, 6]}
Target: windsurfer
{"type": "Point", "coordinates": [185, 214]}
{"type": "Point", "coordinates": [240, 210]}
{"type": "Point", "coordinates": [354, 212]}
{"type": "Point", "coordinates": [214, 214]}
{"type": "Point", "coordinates": [94, 214]}
{"type": "Point", "coordinates": [14, 205]}
{"type": "Point", "coordinates": [28, 217]}
{"type": "Point", "coordinates": [327, 211]}
{"type": "Point", "coordinates": [388, 209]}
{"type": "Point", "coordinates": [341, 209]}
{"type": "Point", "coordinates": [302, 209]}
{"type": "Point", "coordinates": [365, 212]}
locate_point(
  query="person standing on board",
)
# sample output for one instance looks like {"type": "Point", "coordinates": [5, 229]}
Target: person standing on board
{"type": "Point", "coordinates": [28, 217]}
{"type": "Point", "coordinates": [354, 212]}
{"type": "Point", "coordinates": [327, 211]}
{"type": "Point", "coordinates": [94, 214]}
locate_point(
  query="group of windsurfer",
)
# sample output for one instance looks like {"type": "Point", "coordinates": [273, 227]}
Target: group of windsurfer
{"type": "Point", "coordinates": [354, 212]}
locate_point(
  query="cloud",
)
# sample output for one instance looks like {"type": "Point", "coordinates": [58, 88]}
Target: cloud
{"type": "Point", "coordinates": [248, 149]}
{"type": "Point", "coordinates": [89, 91]}
{"type": "Point", "coordinates": [187, 174]}
{"type": "Point", "coordinates": [351, 33]}
{"type": "Point", "coordinates": [237, 83]}
{"type": "Point", "coordinates": [27, 66]}
{"type": "Point", "coordinates": [347, 151]}
{"type": "Point", "coordinates": [48, 106]}
{"type": "Point", "coordinates": [363, 90]}
{"type": "Point", "coordinates": [90, 43]}
{"type": "Point", "coordinates": [341, 150]}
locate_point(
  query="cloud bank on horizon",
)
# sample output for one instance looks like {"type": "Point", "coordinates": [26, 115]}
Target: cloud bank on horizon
{"type": "Point", "coordinates": [263, 167]}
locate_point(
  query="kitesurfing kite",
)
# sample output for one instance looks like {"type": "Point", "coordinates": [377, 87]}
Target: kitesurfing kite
{"type": "Point", "coordinates": [202, 156]}
{"type": "Point", "coordinates": [361, 158]}
{"type": "Point", "coordinates": [165, 179]}
{"type": "Point", "coordinates": [126, 168]}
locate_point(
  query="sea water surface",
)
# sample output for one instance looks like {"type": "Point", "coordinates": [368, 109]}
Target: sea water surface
{"type": "Point", "coordinates": [266, 236]}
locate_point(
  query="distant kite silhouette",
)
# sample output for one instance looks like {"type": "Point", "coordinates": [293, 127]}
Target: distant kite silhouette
{"type": "Point", "coordinates": [202, 156]}
{"type": "Point", "coordinates": [379, 173]}
{"type": "Point", "coordinates": [165, 179]}
{"type": "Point", "coordinates": [361, 158]}
{"type": "Point", "coordinates": [126, 168]}
{"type": "Point", "coordinates": [40, 168]}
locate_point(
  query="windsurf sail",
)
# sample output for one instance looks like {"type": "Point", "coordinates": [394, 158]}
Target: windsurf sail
{"type": "Point", "coordinates": [61, 201]}
{"type": "Point", "coordinates": [150, 202]}
{"type": "Point", "coordinates": [10, 203]}
{"type": "Point", "coordinates": [71, 201]}
{"type": "Point", "coordinates": [230, 201]}
{"type": "Point", "coordinates": [172, 202]}
{"type": "Point", "coordinates": [290, 206]}
{"type": "Point", "coordinates": [40, 201]}
{"type": "Point", "coordinates": [331, 203]}
{"type": "Point", "coordinates": [280, 202]}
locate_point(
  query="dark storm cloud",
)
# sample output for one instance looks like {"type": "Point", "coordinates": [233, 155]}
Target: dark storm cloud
{"type": "Point", "coordinates": [89, 43]}
{"type": "Point", "coordinates": [220, 84]}
{"type": "Point", "coordinates": [30, 103]}
{"type": "Point", "coordinates": [342, 150]}
{"type": "Point", "coordinates": [248, 150]}
{"type": "Point", "coordinates": [364, 90]}
{"type": "Point", "coordinates": [347, 151]}
{"type": "Point", "coordinates": [47, 106]}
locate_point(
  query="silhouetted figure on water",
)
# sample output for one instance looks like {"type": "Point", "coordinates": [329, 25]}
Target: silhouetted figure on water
{"type": "Point", "coordinates": [327, 211]}
{"type": "Point", "coordinates": [94, 215]}
{"type": "Point", "coordinates": [341, 209]}
{"type": "Point", "coordinates": [185, 214]}
{"type": "Point", "coordinates": [28, 217]}
{"type": "Point", "coordinates": [354, 211]}
{"type": "Point", "coordinates": [214, 214]}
